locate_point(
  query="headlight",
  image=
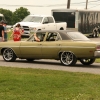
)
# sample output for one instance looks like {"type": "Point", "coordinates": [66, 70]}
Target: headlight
{"type": "Point", "coordinates": [33, 29]}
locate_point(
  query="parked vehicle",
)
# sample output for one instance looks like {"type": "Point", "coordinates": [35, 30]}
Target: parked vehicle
{"type": "Point", "coordinates": [2, 18]}
{"type": "Point", "coordinates": [40, 22]}
{"type": "Point", "coordinates": [85, 21]}
{"type": "Point", "coordinates": [66, 46]}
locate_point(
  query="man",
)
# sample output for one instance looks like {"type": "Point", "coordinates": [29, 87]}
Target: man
{"type": "Point", "coordinates": [1, 32]}
{"type": "Point", "coordinates": [36, 38]}
{"type": "Point", "coordinates": [5, 31]}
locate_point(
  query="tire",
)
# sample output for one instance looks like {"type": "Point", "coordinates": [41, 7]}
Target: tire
{"type": "Point", "coordinates": [9, 55]}
{"type": "Point", "coordinates": [87, 61]}
{"type": "Point", "coordinates": [62, 28]}
{"type": "Point", "coordinates": [29, 60]}
{"type": "Point", "coordinates": [97, 35]}
{"type": "Point", "coordinates": [68, 58]}
{"type": "Point", "coordinates": [94, 34]}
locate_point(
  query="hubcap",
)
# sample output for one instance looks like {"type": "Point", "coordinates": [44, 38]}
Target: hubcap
{"type": "Point", "coordinates": [8, 54]}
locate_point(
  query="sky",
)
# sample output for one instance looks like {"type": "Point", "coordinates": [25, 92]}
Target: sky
{"type": "Point", "coordinates": [45, 6]}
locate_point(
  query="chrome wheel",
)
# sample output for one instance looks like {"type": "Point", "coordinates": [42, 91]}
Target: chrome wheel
{"type": "Point", "coordinates": [87, 61]}
{"type": "Point", "coordinates": [68, 58]}
{"type": "Point", "coordinates": [9, 55]}
{"type": "Point", "coordinates": [97, 35]}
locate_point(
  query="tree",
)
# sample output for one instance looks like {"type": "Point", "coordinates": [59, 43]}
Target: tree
{"type": "Point", "coordinates": [7, 14]}
{"type": "Point", "coordinates": [20, 14]}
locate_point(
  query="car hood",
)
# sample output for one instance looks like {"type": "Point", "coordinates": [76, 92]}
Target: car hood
{"type": "Point", "coordinates": [29, 24]}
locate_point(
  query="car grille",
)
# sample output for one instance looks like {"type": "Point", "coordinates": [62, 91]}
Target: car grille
{"type": "Point", "coordinates": [26, 29]}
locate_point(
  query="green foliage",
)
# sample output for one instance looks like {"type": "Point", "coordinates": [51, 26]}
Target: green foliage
{"type": "Point", "coordinates": [20, 14]}
{"type": "Point", "coordinates": [97, 60]}
{"type": "Point", "coordinates": [16, 16]}
{"type": "Point", "coordinates": [38, 84]}
{"type": "Point", "coordinates": [8, 15]}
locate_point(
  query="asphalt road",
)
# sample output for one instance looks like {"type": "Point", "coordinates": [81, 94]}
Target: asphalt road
{"type": "Point", "coordinates": [53, 65]}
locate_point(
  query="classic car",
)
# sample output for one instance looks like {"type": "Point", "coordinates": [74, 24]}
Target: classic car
{"type": "Point", "coordinates": [64, 45]}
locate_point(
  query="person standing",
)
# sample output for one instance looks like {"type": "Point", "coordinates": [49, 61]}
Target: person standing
{"type": "Point", "coordinates": [1, 32]}
{"type": "Point", "coordinates": [5, 31]}
{"type": "Point", "coordinates": [17, 32]}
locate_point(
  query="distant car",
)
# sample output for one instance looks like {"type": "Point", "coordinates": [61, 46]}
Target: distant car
{"type": "Point", "coordinates": [66, 46]}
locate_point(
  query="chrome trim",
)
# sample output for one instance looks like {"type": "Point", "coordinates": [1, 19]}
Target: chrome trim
{"type": "Point", "coordinates": [50, 46]}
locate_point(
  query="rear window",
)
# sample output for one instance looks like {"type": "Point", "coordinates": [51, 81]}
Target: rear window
{"type": "Point", "coordinates": [64, 36]}
{"type": "Point", "coordinates": [77, 36]}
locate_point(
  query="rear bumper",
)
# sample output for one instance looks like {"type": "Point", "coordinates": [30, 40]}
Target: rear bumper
{"type": "Point", "coordinates": [97, 54]}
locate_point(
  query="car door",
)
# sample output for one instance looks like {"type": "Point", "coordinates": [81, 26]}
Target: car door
{"type": "Point", "coordinates": [30, 49]}
{"type": "Point", "coordinates": [45, 24]}
{"type": "Point", "coordinates": [51, 47]}
{"type": "Point", "coordinates": [49, 24]}
{"type": "Point", "coordinates": [52, 24]}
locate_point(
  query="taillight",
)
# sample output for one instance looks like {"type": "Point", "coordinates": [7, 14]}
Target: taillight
{"type": "Point", "coordinates": [98, 47]}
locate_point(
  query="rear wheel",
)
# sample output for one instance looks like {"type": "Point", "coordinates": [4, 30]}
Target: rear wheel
{"type": "Point", "coordinates": [87, 61]}
{"type": "Point", "coordinates": [68, 58]}
{"type": "Point", "coordinates": [97, 35]}
{"type": "Point", "coordinates": [62, 28]}
{"type": "Point", "coordinates": [9, 55]}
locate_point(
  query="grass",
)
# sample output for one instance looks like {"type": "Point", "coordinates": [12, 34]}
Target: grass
{"type": "Point", "coordinates": [97, 60]}
{"type": "Point", "coordinates": [38, 84]}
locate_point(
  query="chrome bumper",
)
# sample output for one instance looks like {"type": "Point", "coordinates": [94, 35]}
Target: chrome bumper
{"type": "Point", "coordinates": [97, 53]}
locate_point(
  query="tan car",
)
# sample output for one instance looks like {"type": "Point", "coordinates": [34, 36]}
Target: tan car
{"type": "Point", "coordinates": [66, 46]}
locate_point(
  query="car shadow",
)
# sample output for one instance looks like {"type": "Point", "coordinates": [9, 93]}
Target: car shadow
{"type": "Point", "coordinates": [58, 63]}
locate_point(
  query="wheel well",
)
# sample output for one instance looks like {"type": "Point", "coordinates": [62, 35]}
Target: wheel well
{"type": "Point", "coordinates": [6, 48]}
{"type": "Point", "coordinates": [65, 51]}
{"type": "Point", "coordinates": [60, 54]}
{"type": "Point", "coordinates": [61, 28]}
{"type": "Point", "coordinates": [39, 29]}
{"type": "Point", "coordinates": [2, 50]}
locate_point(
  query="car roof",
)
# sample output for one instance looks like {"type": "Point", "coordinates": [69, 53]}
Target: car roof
{"type": "Point", "coordinates": [41, 15]}
{"type": "Point", "coordinates": [56, 31]}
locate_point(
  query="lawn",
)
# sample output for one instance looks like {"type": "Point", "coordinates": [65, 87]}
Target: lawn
{"type": "Point", "coordinates": [97, 60]}
{"type": "Point", "coordinates": [38, 84]}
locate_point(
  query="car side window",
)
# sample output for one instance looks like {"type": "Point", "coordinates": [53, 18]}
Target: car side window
{"type": "Point", "coordinates": [50, 19]}
{"type": "Point", "coordinates": [41, 36]}
{"type": "Point", "coordinates": [45, 20]}
{"type": "Point", "coordinates": [52, 37]}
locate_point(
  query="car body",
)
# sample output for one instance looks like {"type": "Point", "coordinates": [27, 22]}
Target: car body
{"type": "Point", "coordinates": [66, 46]}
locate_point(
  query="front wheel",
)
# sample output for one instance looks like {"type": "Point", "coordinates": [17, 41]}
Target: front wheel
{"type": "Point", "coordinates": [87, 61]}
{"type": "Point", "coordinates": [68, 58]}
{"type": "Point", "coordinates": [8, 55]}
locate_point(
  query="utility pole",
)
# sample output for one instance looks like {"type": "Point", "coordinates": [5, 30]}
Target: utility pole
{"type": "Point", "coordinates": [86, 3]}
{"type": "Point", "coordinates": [68, 4]}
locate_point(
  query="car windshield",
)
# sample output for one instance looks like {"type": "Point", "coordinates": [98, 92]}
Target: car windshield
{"type": "Point", "coordinates": [35, 19]}
{"type": "Point", "coordinates": [77, 36]}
